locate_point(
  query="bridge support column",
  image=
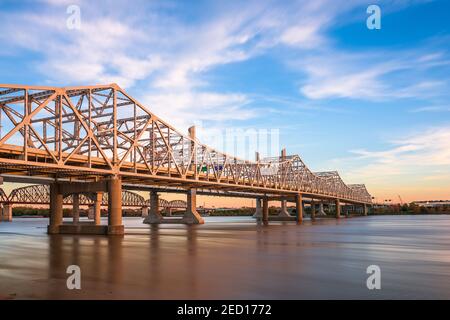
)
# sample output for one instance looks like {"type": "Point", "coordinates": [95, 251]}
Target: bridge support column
{"type": "Point", "coordinates": [154, 216]}
{"type": "Point", "coordinates": [365, 211]}
{"type": "Point", "coordinates": [191, 215]}
{"type": "Point", "coordinates": [313, 210]}
{"type": "Point", "coordinates": [258, 211]}
{"type": "Point", "coordinates": [76, 208]}
{"type": "Point", "coordinates": [321, 211]}
{"type": "Point", "coordinates": [338, 209]}
{"type": "Point", "coordinates": [98, 208]}
{"type": "Point", "coordinates": [6, 213]}
{"type": "Point", "coordinates": [169, 212]}
{"type": "Point", "coordinates": [284, 212]}
{"type": "Point", "coordinates": [115, 226]}
{"type": "Point", "coordinates": [144, 212]}
{"type": "Point", "coordinates": [299, 208]}
{"type": "Point", "coordinates": [265, 211]}
{"type": "Point", "coordinates": [91, 212]}
{"type": "Point", "coordinates": [56, 209]}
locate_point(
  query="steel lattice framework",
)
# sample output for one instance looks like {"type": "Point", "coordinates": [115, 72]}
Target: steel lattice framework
{"type": "Point", "coordinates": [40, 195]}
{"type": "Point", "coordinates": [3, 196]}
{"type": "Point", "coordinates": [94, 131]}
{"type": "Point", "coordinates": [174, 204]}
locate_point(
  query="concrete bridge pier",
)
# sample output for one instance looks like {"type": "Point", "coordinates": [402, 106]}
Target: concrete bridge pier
{"type": "Point", "coordinates": [313, 210]}
{"type": "Point", "coordinates": [76, 208]}
{"type": "Point", "coordinates": [258, 211]}
{"type": "Point", "coordinates": [265, 211]}
{"type": "Point", "coordinates": [299, 208]}
{"type": "Point", "coordinates": [365, 209]}
{"type": "Point", "coordinates": [191, 216]}
{"type": "Point", "coordinates": [6, 215]}
{"type": "Point", "coordinates": [169, 211]}
{"type": "Point", "coordinates": [91, 212]}
{"type": "Point", "coordinates": [115, 225]}
{"type": "Point", "coordinates": [283, 211]}
{"type": "Point", "coordinates": [154, 215]}
{"type": "Point", "coordinates": [60, 190]}
{"type": "Point", "coordinates": [321, 211]}
{"type": "Point", "coordinates": [56, 209]}
{"type": "Point", "coordinates": [97, 208]}
{"type": "Point", "coordinates": [338, 209]}
{"type": "Point", "coordinates": [144, 212]}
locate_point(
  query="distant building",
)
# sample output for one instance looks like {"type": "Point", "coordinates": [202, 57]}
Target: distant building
{"type": "Point", "coordinates": [433, 203]}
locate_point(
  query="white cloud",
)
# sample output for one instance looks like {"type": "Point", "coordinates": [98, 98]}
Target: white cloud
{"type": "Point", "coordinates": [432, 108]}
{"type": "Point", "coordinates": [178, 108]}
{"type": "Point", "coordinates": [164, 58]}
{"type": "Point", "coordinates": [302, 36]}
{"type": "Point", "coordinates": [413, 156]}
{"type": "Point", "coordinates": [366, 75]}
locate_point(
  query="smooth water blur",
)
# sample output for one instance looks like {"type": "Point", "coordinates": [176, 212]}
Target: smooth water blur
{"type": "Point", "coordinates": [231, 258]}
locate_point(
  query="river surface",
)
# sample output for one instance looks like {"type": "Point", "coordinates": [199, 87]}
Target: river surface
{"type": "Point", "coordinates": [232, 258]}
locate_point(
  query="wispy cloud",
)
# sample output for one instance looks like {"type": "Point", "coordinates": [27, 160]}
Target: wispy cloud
{"type": "Point", "coordinates": [339, 74]}
{"type": "Point", "coordinates": [432, 108]}
{"type": "Point", "coordinates": [158, 53]}
{"type": "Point", "coordinates": [417, 156]}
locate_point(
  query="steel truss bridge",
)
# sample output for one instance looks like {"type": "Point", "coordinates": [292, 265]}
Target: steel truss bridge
{"type": "Point", "coordinates": [100, 133]}
{"type": "Point", "coordinates": [40, 195]}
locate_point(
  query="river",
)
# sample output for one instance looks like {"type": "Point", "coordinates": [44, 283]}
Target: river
{"type": "Point", "coordinates": [232, 258]}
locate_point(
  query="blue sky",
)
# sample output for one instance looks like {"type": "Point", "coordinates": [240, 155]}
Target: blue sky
{"type": "Point", "coordinates": [373, 104]}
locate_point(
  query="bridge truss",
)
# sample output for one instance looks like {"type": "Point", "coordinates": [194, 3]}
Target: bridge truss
{"type": "Point", "coordinates": [40, 195]}
{"type": "Point", "coordinates": [86, 133]}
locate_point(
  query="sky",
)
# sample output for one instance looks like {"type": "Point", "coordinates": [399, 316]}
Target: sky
{"type": "Point", "coordinates": [372, 104]}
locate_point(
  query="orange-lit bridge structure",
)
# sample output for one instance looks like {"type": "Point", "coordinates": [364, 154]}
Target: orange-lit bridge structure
{"type": "Point", "coordinates": [98, 139]}
{"type": "Point", "coordinates": [39, 195]}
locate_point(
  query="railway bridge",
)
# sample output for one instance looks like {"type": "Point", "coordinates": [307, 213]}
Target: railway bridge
{"type": "Point", "coordinates": [39, 195]}
{"type": "Point", "coordinates": [96, 140]}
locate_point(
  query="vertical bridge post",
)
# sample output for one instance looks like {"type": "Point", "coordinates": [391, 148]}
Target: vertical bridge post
{"type": "Point", "coordinates": [338, 208]}
{"type": "Point", "coordinates": [299, 208]}
{"type": "Point", "coordinates": [76, 208]}
{"type": "Point", "coordinates": [115, 225]}
{"type": "Point", "coordinates": [191, 216]}
{"type": "Point", "coordinates": [98, 196]}
{"type": "Point", "coordinates": [56, 209]}
{"type": "Point", "coordinates": [283, 210]}
{"type": "Point", "coordinates": [154, 215]}
{"type": "Point", "coordinates": [6, 214]}
{"type": "Point", "coordinates": [258, 209]}
{"type": "Point", "coordinates": [265, 211]}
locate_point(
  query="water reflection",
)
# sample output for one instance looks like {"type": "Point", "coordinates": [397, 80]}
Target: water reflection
{"type": "Point", "coordinates": [232, 259]}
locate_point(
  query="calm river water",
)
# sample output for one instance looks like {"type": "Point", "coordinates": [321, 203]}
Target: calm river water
{"type": "Point", "coordinates": [232, 258]}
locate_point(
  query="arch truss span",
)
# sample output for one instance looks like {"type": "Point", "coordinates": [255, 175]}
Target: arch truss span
{"type": "Point", "coordinates": [3, 196]}
{"type": "Point", "coordinates": [40, 194]}
{"type": "Point", "coordinates": [98, 131]}
{"type": "Point", "coordinates": [173, 204]}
